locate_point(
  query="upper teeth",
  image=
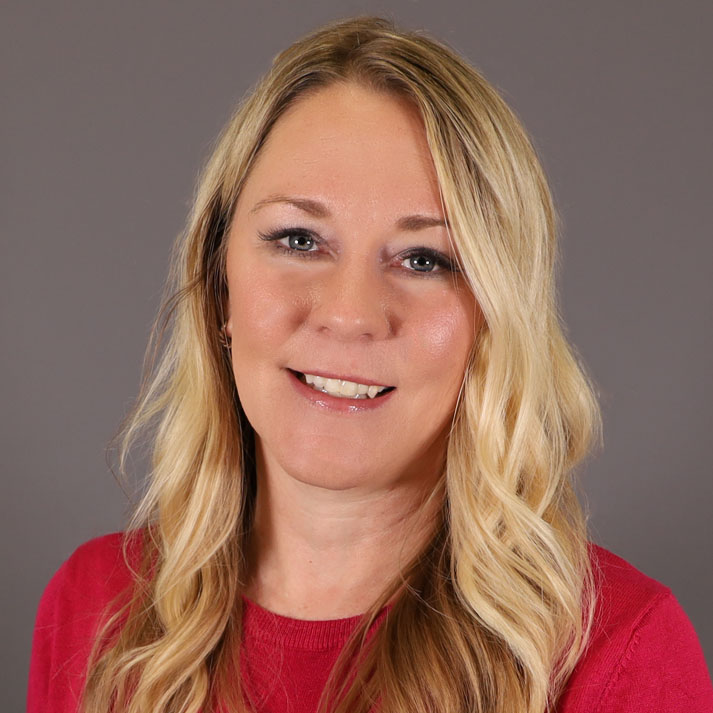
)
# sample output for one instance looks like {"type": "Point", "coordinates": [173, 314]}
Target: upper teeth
{"type": "Point", "coordinates": [343, 388]}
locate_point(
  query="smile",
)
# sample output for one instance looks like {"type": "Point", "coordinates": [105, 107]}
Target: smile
{"type": "Point", "coordinates": [341, 388]}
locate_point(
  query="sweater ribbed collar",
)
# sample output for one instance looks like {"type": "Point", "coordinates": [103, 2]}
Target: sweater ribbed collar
{"type": "Point", "coordinates": [260, 624]}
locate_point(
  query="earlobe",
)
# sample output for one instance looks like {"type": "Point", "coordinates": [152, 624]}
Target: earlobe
{"type": "Point", "coordinates": [226, 334]}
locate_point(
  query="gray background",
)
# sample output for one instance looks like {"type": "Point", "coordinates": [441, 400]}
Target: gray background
{"type": "Point", "coordinates": [108, 111]}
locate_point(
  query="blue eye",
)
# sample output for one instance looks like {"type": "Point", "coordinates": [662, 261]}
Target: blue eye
{"type": "Point", "coordinates": [298, 241]}
{"type": "Point", "coordinates": [427, 260]}
{"type": "Point", "coordinates": [421, 263]}
{"type": "Point", "coordinates": [292, 240]}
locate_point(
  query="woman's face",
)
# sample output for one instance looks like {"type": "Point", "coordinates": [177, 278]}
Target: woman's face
{"type": "Point", "coordinates": [341, 282]}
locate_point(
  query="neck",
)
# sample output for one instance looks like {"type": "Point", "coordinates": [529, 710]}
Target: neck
{"type": "Point", "coordinates": [317, 553]}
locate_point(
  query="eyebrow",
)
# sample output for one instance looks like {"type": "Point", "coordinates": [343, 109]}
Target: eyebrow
{"type": "Point", "coordinates": [319, 210]}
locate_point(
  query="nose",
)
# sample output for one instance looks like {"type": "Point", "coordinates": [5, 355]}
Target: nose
{"type": "Point", "coordinates": [352, 303]}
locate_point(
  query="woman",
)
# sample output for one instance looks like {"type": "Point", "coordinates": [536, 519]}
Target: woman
{"type": "Point", "coordinates": [366, 419]}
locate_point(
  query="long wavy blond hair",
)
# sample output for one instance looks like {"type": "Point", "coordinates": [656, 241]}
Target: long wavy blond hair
{"type": "Point", "coordinates": [494, 613]}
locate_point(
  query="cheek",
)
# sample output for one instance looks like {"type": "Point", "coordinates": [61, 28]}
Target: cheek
{"type": "Point", "coordinates": [263, 309]}
{"type": "Point", "coordinates": [445, 335]}
{"type": "Point", "coordinates": [262, 320]}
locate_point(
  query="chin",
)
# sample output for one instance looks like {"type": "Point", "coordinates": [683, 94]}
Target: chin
{"type": "Point", "coordinates": [331, 473]}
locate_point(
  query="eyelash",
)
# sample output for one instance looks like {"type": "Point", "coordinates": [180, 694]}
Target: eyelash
{"type": "Point", "coordinates": [443, 263]}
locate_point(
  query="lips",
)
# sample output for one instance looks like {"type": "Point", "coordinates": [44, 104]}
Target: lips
{"type": "Point", "coordinates": [345, 377]}
{"type": "Point", "coordinates": [354, 389]}
{"type": "Point", "coordinates": [341, 393]}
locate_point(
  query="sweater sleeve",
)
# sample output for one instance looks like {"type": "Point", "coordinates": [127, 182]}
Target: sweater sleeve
{"type": "Point", "coordinates": [43, 645]}
{"type": "Point", "coordinates": [69, 614]}
{"type": "Point", "coordinates": [662, 669]}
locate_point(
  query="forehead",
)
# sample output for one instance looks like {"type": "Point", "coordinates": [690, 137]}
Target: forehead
{"type": "Point", "coordinates": [352, 147]}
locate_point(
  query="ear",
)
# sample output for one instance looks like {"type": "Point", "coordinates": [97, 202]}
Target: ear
{"type": "Point", "coordinates": [225, 313]}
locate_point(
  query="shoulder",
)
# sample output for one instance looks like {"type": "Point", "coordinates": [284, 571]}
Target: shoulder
{"type": "Point", "coordinates": [86, 588]}
{"type": "Point", "coordinates": [643, 653]}
{"type": "Point", "coordinates": [624, 593]}
{"type": "Point", "coordinates": [99, 555]}
{"type": "Point", "coordinates": [81, 590]}
{"type": "Point", "coordinates": [96, 570]}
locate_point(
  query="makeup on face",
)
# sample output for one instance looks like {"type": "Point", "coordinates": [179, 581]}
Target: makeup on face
{"type": "Point", "coordinates": [351, 324]}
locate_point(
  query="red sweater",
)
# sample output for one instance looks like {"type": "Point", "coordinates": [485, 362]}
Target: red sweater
{"type": "Point", "coordinates": [644, 655]}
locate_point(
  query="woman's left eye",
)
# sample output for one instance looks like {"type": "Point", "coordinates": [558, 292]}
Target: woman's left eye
{"type": "Point", "coordinates": [425, 260]}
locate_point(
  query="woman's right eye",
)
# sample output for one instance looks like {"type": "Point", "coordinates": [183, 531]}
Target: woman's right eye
{"type": "Point", "coordinates": [292, 240]}
{"type": "Point", "coordinates": [298, 242]}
